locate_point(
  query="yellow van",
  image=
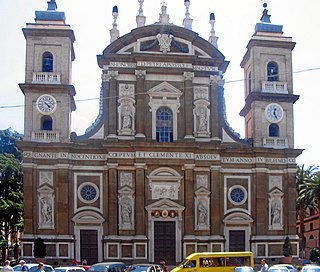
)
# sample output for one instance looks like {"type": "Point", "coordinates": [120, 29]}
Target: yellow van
{"type": "Point", "coordinates": [215, 261]}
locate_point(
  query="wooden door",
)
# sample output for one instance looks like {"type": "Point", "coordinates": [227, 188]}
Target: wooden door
{"type": "Point", "coordinates": [237, 240]}
{"type": "Point", "coordinates": [165, 241]}
{"type": "Point", "coordinates": [89, 246]}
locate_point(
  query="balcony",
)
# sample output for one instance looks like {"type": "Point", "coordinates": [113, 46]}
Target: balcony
{"type": "Point", "coordinates": [274, 87]}
{"type": "Point", "coordinates": [45, 136]}
{"type": "Point", "coordinates": [46, 78]}
{"type": "Point", "coordinates": [275, 142]}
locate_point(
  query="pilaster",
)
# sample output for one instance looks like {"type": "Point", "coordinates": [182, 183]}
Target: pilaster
{"type": "Point", "coordinates": [140, 199]}
{"type": "Point", "coordinates": [215, 84]}
{"type": "Point", "coordinates": [188, 105]}
{"type": "Point", "coordinates": [112, 219]}
{"type": "Point", "coordinates": [140, 98]}
{"type": "Point", "coordinates": [216, 201]}
{"type": "Point", "coordinates": [189, 199]}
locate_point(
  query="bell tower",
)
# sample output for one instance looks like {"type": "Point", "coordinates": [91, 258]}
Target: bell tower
{"type": "Point", "coordinates": [48, 91]}
{"type": "Point", "coordinates": [269, 97]}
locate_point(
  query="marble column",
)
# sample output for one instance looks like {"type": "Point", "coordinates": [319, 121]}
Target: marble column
{"type": "Point", "coordinates": [140, 106]}
{"type": "Point", "coordinates": [140, 199]}
{"type": "Point", "coordinates": [189, 222]}
{"type": "Point", "coordinates": [112, 219]}
{"type": "Point", "coordinates": [188, 104]}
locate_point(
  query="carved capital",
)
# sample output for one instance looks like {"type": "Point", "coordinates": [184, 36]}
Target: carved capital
{"type": "Point", "coordinates": [140, 73]}
{"type": "Point", "coordinates": [188, 75]}
{"type": "Point", "coordinates": [216, 80]}
{"type": "Point", "coordinates": [109, 75]}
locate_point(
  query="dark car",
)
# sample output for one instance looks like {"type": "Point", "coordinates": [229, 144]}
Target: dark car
{"type": "Point", "coordinates": [108, 267]}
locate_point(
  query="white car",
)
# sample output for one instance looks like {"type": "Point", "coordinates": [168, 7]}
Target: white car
{"type": "Point", "coordinates": [33, 267]}
{"type": "Point", "coordinates": [69, 269]}
{"type": "Point", "coordinates": [310, 268]}
{"type": "Point", "coordinates": [276, 268]}
{"type": "Point", "coordinates": [289, 266]}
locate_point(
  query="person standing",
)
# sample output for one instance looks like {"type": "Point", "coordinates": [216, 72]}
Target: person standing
{"type": "Point", "coordinates": [7, 267]}
{"type": "Point", "coordinates": [164, 267]}
{"type": "Point", "coordinates": [24, 267]}
{"type": "Point", "coordinates": [264, 266]}
{"type": "Point", "coordinates": [40, 267]}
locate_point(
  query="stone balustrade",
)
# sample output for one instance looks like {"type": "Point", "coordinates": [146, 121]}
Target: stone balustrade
{"type": "Point", "coordinates": [275, 142]}
{"type": "Point", "coordinates": [46, 78]}
{"type": "Point", "coordinates": [45, 136]}
{"type": "Point", "coordinates": [274, 87]}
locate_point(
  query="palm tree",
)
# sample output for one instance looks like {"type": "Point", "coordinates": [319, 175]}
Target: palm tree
{"type": "Point", "coordinates": [304, 201]}
{"type": "Point", "coordinates": [309, 190]}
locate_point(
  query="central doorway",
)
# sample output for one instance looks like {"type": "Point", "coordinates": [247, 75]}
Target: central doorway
{"type": "Point", "coordinates": [237, 240]}
{"type": "Point", "coordinates": [165, 241]}
{"type": "Point", "coordinates": [89, 246]}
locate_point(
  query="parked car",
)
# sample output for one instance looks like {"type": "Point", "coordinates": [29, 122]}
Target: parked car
{"type": "Point", "coordinates": [108, 267]}
{"type": "Point", "coordinates": [243, 269]}
{"type": "Point", "coordinates": [275, 268]}
{"type": "Point", "coordinates": [33, 267]}
{"type": "Point", "coordinates": [289, 266]}
{"type": "Point", "coordinates": [310, 268]}
{"type": "Point", "coordinates": [69, 269]}
{"type": "Point", "coordinates": [145, 268]}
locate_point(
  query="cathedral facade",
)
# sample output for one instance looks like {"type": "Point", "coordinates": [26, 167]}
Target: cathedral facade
{"type": "Point", "coordinates": [160, 173]}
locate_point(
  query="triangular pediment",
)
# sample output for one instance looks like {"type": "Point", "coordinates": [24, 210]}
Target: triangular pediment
{"type": "Point", "coordinates": [164, 89]}
{"type": "Point", "coordinates": [164, 204]}
{"type": "Point", "coordinates": [202, 191]}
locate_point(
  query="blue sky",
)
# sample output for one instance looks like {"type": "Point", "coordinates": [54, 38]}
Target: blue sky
{"type": "Point", "coordinates": [235, 22]}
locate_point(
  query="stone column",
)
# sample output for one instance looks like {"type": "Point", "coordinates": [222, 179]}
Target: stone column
{"type": "Point", "coordinates": [216, 201]}
{"type": "Point", "coordinates": [112, 219]}
{"type": "Point", "coordinates": [140, 108]}
{"type": "Point", "coordinates": [105, 102]}
{"type": "Point", "coordinates": [188, 105]}
{"type": "Point", "coordinates": [140, 199]}
{"type": "Point", "coordinates": [215, 118]}
{"type": "Point", "coordinates": [189, 221]}
{"type": "Point", "coordinates": [112, 113]}
{"type": "Point", "coordinates": [260, 182]}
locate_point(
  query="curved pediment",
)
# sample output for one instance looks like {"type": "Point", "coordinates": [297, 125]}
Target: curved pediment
{"type": "Point", "coordinates": [158, 39]}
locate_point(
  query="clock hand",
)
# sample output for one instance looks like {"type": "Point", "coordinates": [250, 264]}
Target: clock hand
{"type": "Point", "coordinates": [48, 105]}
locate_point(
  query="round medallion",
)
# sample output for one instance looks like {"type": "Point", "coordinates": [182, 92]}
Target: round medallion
{"type": "Point", "coordinates": [46, 104]}
{"type": "Point", "coordinates": [274, 113]}
{"type": "Point", "coordinates": [237, 195]}
{"type": "Point", "coordinates": [88, 192]}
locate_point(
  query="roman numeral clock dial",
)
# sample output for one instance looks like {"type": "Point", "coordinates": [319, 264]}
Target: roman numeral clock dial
{"type": "Point", "coordinates": [46, 104]}
{"type": "Point", "coordinates": [274, 113]}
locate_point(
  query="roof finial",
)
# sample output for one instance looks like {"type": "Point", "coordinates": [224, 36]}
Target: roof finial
{"type": "Point", "coordinates": [52, 5]}
{"type": "Point", "coordinates": [213, 39]}
{"type": "Point", "coordinates": [140, 19]}
{"type": "Point", "coordinates": [187, 21]}
{"type": "Point", "coordinates": [114, 32]}
{"type": "Point", "coordinates": [164, 17]}
{"type": "Point", "coordinates": [265, 16]}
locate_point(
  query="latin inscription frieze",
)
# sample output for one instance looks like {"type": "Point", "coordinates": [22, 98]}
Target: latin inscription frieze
{"type": "Point", "coordinates": [156, 155]}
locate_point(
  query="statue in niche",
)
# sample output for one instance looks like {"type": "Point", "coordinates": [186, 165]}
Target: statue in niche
{"type": "Point", "coordinates": [276, 212]}
{"type": "Point", "coordinates": [126, 211]}
{"type": "Point", "coordinates": [46, 210]}
{"type": "Point", "coordinates": [126, 113]}
{"type": "Point", "coordinates": [202, 119]}
{"type": "Point", "coordinates": [202, 213]}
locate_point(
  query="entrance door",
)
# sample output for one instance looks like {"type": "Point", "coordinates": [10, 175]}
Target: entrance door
{"type": "Point", "coordinates": [89, 246]}
{"type": "Point", "coordinates": [237, 240]}
{"type": "Point", "coordinates": [165, 241]}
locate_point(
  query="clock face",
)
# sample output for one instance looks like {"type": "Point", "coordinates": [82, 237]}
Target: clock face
{"type": "Point", "coordinates": [46, 104]}
{"type": "Point", "coordinates": [274, 112]}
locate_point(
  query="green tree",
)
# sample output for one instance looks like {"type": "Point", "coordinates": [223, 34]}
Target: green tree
{"type": "Point", "coordinates": [304, 201]}
{"type": "Point", "coordinates": [11, 188]}
{"type": "Point", "coordinates": [310, 190]}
